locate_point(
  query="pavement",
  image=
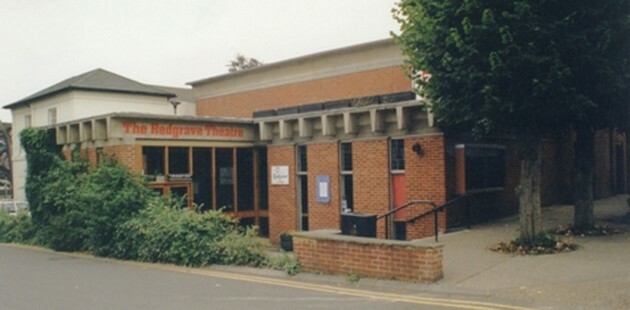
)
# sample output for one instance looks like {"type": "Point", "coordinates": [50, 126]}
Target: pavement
{"type": "Point", "coordinates": [595, 276]}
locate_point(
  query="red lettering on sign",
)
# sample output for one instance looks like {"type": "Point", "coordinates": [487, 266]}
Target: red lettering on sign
{"type": "Point", "coordinates": [176, 131]}
{"type": "Point", "coordinates": [133, 128]}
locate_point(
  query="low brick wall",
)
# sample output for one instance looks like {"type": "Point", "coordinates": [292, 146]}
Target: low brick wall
{"type": "Point", "coordinates": [329, 252]}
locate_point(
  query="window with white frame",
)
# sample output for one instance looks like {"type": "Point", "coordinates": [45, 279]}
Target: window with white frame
{"type": "Point", "coordinates": [28, 121]}
{"type": "Point", "coordinates": [346, 182]}
{"type": "Point", "coordinates": [397, 154]}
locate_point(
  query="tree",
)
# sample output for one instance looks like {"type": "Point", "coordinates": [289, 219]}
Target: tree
{"type": "Point", "coordinates": [597, 52]}
{"type": "Point", "coordinates": [241, 63]}
{"type": "Point", "coordinates": [497, 68]}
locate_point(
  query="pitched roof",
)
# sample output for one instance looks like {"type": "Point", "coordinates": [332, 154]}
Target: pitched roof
{"type": "Point", "coordinates": [95, 80]}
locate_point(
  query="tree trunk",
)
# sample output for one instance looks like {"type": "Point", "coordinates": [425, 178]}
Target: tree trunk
{"type": "Point", "coordinates": [530, 212]}
{"type": "Point", "coordinates": [584, 217]}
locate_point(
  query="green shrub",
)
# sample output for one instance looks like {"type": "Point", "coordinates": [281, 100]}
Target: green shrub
{"type": "Point", "coordinates": [43, 157]}
{"type": "Point", "coordinates": [80, 207]}
{"type": "Point", "coordinates": [110, 196]}
{"type": "Point", "coordinates": [76, 207]}
{"type": "Point", "coordinates": [62, 220]}
{"type": "Point", "coordinates": [110, 212]}
{"type": "Point", "coordinates": [18, 229]}
{"type": "Point", "coordinates": [166, 233]}
{"type": "Point", "coordinates": [242, 247]}
{"type": "Point", "coordinates": [287, 263]}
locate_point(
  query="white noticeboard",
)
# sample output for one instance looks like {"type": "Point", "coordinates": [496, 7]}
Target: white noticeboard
{"type": "Point", "coordinates": [279, 175]}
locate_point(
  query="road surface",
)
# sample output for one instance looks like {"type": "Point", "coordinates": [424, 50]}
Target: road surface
{"type": "Point", "coordinates": [32, 278]}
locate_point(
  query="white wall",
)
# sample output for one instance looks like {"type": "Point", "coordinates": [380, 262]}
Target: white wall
{"type": "Point", "coordinates": [84, 104]}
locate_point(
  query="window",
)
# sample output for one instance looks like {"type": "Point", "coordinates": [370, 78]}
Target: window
{"type": "Point", "coordinates": [302, 186]}
{"type": "Point", "coordinates": [397, 155]}
{"type": "Point", "coordinates": [153, 157]}
{"type": "Point", "coordinates": [346, 156]}
{"type": "Point", "coordinates": [224, 179]}
{"type": "Point", "coordinates": [52, 116]}
{"type": "Point", "coordinates": [27, 121]}
{"type": "Point", "coordinates": [202, 177]}
{"type": "Point", "coordinates": [346, 182]}
{"type": "Point", "coordinates": [479, 167]}
{"type": "Point", "coordinates": [178, 160]}
{"type": "Point", "coordinates": [245, 178]}
{"type": "Point", "coordinates": [262, 179]}
{"type": "Point", "coordinates": [301, 158]}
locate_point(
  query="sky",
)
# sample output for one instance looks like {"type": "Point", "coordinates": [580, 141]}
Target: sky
{"type": "Point", "coordinates": [170, 42]}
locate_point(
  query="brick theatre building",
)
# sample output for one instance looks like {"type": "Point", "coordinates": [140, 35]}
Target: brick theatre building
{"type": "Point", "coordinates": [296, 144]}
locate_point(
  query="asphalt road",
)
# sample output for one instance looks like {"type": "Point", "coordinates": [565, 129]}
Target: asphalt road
{"type": "Point", "coordinates": [32, 278]}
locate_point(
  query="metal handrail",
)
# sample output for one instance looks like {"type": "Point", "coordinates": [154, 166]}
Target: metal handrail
{"type": "Point", "coordinates": [433, 210]}
{"type": "Point", "coordinates": [404, 206]}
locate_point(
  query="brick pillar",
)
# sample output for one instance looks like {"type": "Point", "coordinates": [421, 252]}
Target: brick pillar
{"type": "Point", "coordinates": [370, 175]}
{"type": "Point", "coordinates": [323, 159]}
{"type": "Point", "coordinates": [426, 180]}
{"type": "Point", "coordinates": [282, 200]}
{"type": "Point", "coordinates": [126, 155]}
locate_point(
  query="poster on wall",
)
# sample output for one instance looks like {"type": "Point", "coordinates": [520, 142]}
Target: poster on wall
{"type": "Point", "coordinates": [279, 175]}
{"type": "Point", "coordinates": [323, 188]}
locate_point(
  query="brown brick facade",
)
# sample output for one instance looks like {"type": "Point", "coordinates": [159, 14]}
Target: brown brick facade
{"type": "Point", "coordinates": [370, 159]}
{"type": "Point", "coordinates": [384, 259]}
{"type": "Point", "coordinates": [361, 84]}
{"type": "Point", "coordinates": [282, 199]}
{"type": "Point", "coordinates": [426, 180]}
{"type": "Point", "coordinates": [127, 155]}
{"type": "Point", "coordinates": [323, 159]}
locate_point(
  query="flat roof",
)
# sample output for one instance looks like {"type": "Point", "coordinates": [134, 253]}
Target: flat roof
{"type": "Point", "coordinates": [292, 61]}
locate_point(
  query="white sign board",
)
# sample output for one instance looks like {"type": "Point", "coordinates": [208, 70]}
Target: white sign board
{"type": "Point", "coordinates": [279, 175]}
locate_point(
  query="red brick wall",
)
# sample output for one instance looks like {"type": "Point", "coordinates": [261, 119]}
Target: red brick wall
{"type": "Point", "coordinates": [126, 155]}
{"type": "Point", "coordinates": [323, 159]}
{"type": "Point", "coordinates": [91, 156]}
{"type": "Point", "coordinates": [370, 160]}
{"type": "Point", "coordinates": [378, 259]}
{"type": "Point", "coordinates": [426, 180]}
{"type": "Point", "coordinates": [282, 200]}
{"type": "Point", "coordinates": [361, 84]}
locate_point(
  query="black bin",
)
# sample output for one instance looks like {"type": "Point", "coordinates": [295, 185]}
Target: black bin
{"type": "Point", "coordinates": [361, 225]}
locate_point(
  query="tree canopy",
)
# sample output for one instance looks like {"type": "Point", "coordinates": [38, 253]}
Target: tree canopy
{"type": "Point", "coordinates": [241, 62]}
{"type": "Point", "coordinates": [527, 69]}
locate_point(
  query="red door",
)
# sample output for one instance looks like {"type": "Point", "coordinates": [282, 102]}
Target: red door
{"type": "Point", "coordinates": [400, 195]}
